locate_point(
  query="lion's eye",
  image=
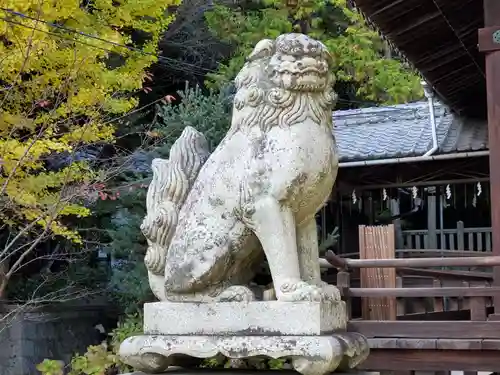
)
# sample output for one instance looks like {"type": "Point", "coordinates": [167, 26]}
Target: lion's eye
{"type": "Point", "coordinates": [284, 47]}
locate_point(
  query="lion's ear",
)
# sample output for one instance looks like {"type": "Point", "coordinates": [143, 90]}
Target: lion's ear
{"type": "Point", "coordinates": [265, 48]}
{"type": "Point", "coordinates": [327, 55]}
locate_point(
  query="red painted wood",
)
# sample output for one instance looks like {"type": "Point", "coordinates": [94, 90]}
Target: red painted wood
{"type": "Point", "coordinates": [485, 39]}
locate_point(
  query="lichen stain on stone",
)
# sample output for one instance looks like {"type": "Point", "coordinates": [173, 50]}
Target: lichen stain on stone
{"type": "Point", "coordinates": [260, 146]}
{"type": "Point", "coordinates": [211, 311]}
{"type": "Point", "coordinates": [215, 202]}
{"type": "Point", "coordinates": [238, 353]}
{"type": "Point", "coordinates": [296, 186]}
{"type": "Point", "coordinates": [180, 278]}
{"type": "Point", "coordinates": [322, 175]}
{"type": "Point", "coordinates": [271, 145]}
{"type": "Point", "coordinates": [253, 331]}
{"type": "Point", "coordinates": [300, 179]}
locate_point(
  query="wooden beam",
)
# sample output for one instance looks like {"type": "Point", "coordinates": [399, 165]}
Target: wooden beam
{"type": "Point", "coordinates": [428, 344]}
{"type": "Point", "coordinates": [436, 315]}
{"type": "Point", "coordinates": [486, 291]}
{"type": "Point", "coordinates": [427, 329]}
{"type": "Point", "coordinates": [422, 183]}
{"type": "Point", "coordinates": [431, 360]}
{"type": "Point", "coordinates": [421, 253]}
{"type": "Point", "coordinates": [346, 263]}
{"type": "Point", "coordinates": [445, 274]}
{"type": "Point", "coordinates": [492, 63]}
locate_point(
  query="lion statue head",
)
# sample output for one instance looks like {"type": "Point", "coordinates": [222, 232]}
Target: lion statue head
{"type": "Point", "coordinates": [282, 82]}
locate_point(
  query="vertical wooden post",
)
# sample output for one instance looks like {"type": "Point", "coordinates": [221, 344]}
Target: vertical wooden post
{"type": "Point", "coordinates": [377, 242]}
{"type": "Point", "coordinates": [344, 283]}
{"type": "Point", "coordinates": [438, 301]}
{"type": "Point", "coordinates": [460, 235]}
{"type": "Point", "coordinates": [487, 43]}
{"type": "Point", "coordinates": [395, 211]}
{"type": "Point", "coordinates": [477, 306]}
{"type": "Point", "coordinates": [431, 223]}
{"type": "Point", "coordinates": [401, 303]}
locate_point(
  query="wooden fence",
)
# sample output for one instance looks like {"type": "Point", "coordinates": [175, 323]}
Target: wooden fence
{"type": "Point", "coordinates": [472, 239]}
{"type": "Point", "coordinates": [425, 345]}
{"type": "Point", "coordinates": [376, 245]}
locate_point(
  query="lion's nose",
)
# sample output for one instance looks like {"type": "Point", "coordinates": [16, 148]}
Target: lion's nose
{"type": "Point", "coordinates": [308, 62]}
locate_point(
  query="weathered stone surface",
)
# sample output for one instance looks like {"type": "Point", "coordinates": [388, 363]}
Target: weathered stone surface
{"type": "Point", "coordinates": [310, 355]}
{"type": "Point", "coordinates": [211, 218]}
{"type": "Point", "coordinates": [182, 371]}
{"type": "Point", "coordinates": [240, 318]}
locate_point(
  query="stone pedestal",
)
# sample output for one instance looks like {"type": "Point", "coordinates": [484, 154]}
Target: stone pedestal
{"type": "Point", "coordinates": [182, 371]}
{"type": "Point", "coordinates": [311, 334]}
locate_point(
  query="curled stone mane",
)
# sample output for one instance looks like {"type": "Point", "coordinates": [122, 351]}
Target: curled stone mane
{"type": "Point", "coordinates": [261, 102]}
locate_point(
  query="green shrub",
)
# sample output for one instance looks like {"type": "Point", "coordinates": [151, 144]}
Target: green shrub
{"type": "Point", "coordinates": [98, 359]}
{"type": "Point", "coordinates": [51, 367]}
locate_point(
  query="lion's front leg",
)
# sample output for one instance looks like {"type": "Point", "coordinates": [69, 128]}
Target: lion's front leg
{"type": "Point", "coordinates": [308, 255]}
{"type": "Point", "coordinates": [274, 225]}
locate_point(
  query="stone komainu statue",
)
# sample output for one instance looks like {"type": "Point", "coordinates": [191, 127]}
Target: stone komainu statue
{"type": "Point", "coordinates": [211, 217]}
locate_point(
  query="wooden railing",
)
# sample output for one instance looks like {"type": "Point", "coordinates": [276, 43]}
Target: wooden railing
{"type": "Point", "coordinates": [346, 264]}
{"type": "Point", "coordinates": [451, 258]}
{"type": "Point", "coordinates": [431, 278]}
{"type": "Point", "coordinates": [430, 253]}
{"type": "Point", "coordinates": [472, 239]}
{"type": "Point", "coordinates": [472, 284]}
{"type": "Point", "coordinates": [439, 345]}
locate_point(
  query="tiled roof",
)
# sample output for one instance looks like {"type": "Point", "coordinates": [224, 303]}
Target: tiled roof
{"type": "Point", "coordinates": [404, 130]}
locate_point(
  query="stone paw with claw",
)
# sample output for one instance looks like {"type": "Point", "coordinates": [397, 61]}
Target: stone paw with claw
{"type": "Point", "coordinates": [330, 292]}
{"type": "Point", "coordinates": [299, 291]}
{"type": "Point", "coordinates": [236, 293]}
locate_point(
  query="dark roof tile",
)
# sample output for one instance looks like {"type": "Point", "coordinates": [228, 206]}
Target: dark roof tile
{"type": "Point", "coordinates": [402, 131]}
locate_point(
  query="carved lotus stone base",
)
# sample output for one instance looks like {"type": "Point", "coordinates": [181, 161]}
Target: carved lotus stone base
{"type": "Point", "coordinates": [311, 334]}
{"type": "Point", "coordinates": [310, 355]}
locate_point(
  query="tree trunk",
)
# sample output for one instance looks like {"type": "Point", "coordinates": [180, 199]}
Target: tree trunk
{"type": "Point", "coordinates": [4, 268]}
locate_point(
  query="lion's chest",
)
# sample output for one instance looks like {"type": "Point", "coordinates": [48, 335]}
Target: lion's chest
{"type": "Point", "coordinates": [297, 165]}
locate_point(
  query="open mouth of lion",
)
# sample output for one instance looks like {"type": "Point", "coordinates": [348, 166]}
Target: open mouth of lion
{"type": "Point", "coordinates": [310, 80]}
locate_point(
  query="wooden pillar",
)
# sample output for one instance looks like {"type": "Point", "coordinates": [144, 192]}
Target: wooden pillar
{"type": "Point", "coordinates": [377, 242]}
{"type": "Point", "coordinates": [395, 211]}
{"type": "Point", "coordinates": [489, 43]}
{"type": "Point", "coordinates": [431, 222]}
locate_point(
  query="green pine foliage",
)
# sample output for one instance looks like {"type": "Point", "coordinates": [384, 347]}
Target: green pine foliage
{"type": "Point", "coordinates": [360, 63]}
{"type": "Point", "coordinates": [210, 114]}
